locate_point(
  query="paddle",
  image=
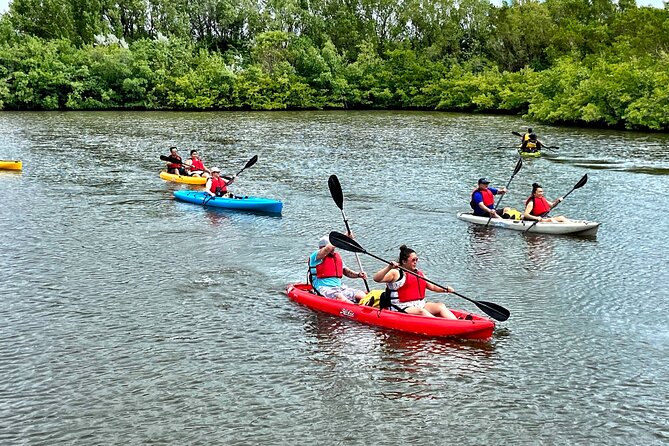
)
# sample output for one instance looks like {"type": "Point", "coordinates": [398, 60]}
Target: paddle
{"type": "Point", "coordinates": [249, 163]}
{"type": "Point", "coordinates": [519, 164]}
{"type": "Point", "coordinates": [338, 197]}
{"type": "Point", "coordinates": [348, 244]}
{"type": "Point", "coordinates": [171, 159]}
{"type": "Point", "coordinates": [578, 185]}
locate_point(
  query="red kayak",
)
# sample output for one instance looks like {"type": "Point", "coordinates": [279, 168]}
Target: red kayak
{"type": "Point", "coordinates": [477, 327]}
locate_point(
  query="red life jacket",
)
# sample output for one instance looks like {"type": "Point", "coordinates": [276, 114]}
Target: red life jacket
{"type": "Point", "coordinates": [413, 288]}
{"type": "Point", "coordinates": [218, 185]}
{"type": "Point", "coordinates": [488, 197]}
{"type": "Point", "coordinates": [197, 164]}
{"type": "Point", "coordinates": [540, 206]}
{"type": "Point", "coordinates": [174, 165]}
{"type": "Point", "coordinates": [331, 266]}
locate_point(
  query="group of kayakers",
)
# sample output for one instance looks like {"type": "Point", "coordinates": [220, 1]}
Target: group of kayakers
{"type": "Point", "coordinates": [192, 166]}
{"type": "Point", "coordinates": [405, 290]}
{"type": "Point", "coordinates": [537, 206]}
{"type": "Point", "coordinates": [404, 284]}
{"type": "Point", "coordinates": [216, 185]}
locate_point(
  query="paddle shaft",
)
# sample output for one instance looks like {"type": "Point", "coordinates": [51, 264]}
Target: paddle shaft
{"type": "Point", "coordinates": [357, 257]}
{"type": "Point", "coordinates": [348, 244]}
{"type": "Point", "coordinates": [338, 197]}
{"type": "Point", "coordinates": [420, 277]}
{"type": "Point", "coordinates": [519, 164]}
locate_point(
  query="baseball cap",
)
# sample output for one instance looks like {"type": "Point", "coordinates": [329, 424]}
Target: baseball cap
{"type": "Point", "coordinates": [324, 241]}
{"type": "Point", "coordinates": [215, 169]}
{"type": "Point", "coordinates": [484, 180]}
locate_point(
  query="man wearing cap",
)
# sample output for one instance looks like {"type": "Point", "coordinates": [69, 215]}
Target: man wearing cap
{"type": "Point", "coordinates": [326, 269]}
{"type": "Point", "coordinates": [217, 186]}
{"type": "Point", "coordinates": [483, 200]}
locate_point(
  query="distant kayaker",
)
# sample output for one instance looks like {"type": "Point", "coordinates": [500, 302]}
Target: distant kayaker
{"type": "Point", "coordinates": [195, 166]}
{"type": "Point", "coordinates": [407, 292]}
{"type": "Point", "coordinates": [537, 207]}
{"type": "Point", "coordinates": [217, 186]}
{"type": "Point", "coordinates": [482, 199]}
{"type": "Point", "coordinates": [326, 269]}
{"type": "Point", "coordinates": [526, 136]}
{"type": "Point", "coordinates": [531, 144]}
{"type": "Point", "coordinates": [176, 167]}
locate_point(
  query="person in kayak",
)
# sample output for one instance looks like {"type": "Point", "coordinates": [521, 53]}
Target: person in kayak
{"type": "Point", "coordinates": [526, 136]}
{"type": "Point", "coordinates": [407, 292]}
{"type": "Point", "coordinates": [483, 201]}
{"type": "Point", "coordinates": [531, 144]}
{"type": "Point", "coordinates": [537, 207]}
{"type": "Point", "coordinates": [195, 167]}
{"type": "Point", "coordinates": [217, 186]}
{"type": "Point", "coordinates": [176, 167]}
{"type": "Point", "coordinates": [326, 269]}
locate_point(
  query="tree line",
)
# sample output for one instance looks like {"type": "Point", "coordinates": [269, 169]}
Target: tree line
{"type": "Point", "coordinates": [589, 62]}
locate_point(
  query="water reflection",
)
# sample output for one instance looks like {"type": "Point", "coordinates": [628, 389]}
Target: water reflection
{"type": "Point", "coordinates": [539, 249]}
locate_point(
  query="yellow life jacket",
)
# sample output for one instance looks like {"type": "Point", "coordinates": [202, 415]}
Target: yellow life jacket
{"type": "Point", "coordinates": [513, 214]}
{"type": "Point", "coordinates": [372, 299]}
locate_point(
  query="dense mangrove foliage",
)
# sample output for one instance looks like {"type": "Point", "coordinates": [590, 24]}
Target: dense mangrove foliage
{"type": "Point", "coordinates": [591, 62]}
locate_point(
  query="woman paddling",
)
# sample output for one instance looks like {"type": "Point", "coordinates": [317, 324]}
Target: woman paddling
{"type": "Point", "coordinates": [537, 207]}
{"type": "Point", "coordinates": [407, 292]}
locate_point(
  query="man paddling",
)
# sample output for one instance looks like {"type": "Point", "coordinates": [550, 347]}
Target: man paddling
{"type": "Point", "coordinates": [175, 166]}
{"type": "Point", "coordinates": [483, 201]}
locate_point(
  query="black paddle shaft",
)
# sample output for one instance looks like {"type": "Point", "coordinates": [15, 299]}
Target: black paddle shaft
{"type": "Point", "coordinates": [338, 197]}
{"type": "Point", "coordinates": [348, 244]}
{"type": "Point", "coordinates": [519, 164]}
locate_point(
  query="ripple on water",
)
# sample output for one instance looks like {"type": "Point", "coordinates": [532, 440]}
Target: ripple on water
{"type": "Point", "coordinates": [128, 317]}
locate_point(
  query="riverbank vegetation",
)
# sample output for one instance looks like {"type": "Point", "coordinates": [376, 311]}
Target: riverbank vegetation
{"type": "Point", "coordinates": [589, 62]}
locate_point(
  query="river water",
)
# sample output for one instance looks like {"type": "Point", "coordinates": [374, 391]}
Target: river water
{"type": "Point", "coordinates": [129, 318]}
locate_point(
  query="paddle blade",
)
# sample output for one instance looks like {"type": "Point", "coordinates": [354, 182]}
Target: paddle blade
{"type": "Point", "coordinates": [517, 134]}
{"type": "Point", "coordinates": [582, 181]}
{"type": "Point", "coordinates": [251, 162]}
{"type": "Point", "coordinates": [493, 310]}
{"type": "Point", "coordinates": [345, 242]}
{"type": "Point", "coordinates": [519, 164]}
{"type": "Point", "coordinates": [335, 191]}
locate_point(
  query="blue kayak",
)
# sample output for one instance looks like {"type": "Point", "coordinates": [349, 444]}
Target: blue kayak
{"type": "Point", "coordinates": [254, 204]}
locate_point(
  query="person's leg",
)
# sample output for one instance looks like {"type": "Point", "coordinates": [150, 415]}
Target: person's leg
{"type": "Point", "coordinates": [418, 311]}
{"type": "Point", "coordinates": [439, 309]}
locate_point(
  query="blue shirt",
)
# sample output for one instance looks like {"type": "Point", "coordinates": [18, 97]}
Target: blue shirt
{"type": "Point", "coordinates": [326, 282]}
{"type": "Point", "coordinates": [477, 198]}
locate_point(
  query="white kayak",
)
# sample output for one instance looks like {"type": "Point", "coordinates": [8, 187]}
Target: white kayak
{"type": "Point", "coordinates": [580, 227]}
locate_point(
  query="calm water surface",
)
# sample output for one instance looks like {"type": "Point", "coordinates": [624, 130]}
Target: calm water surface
{"type": "Point", "coordinates": [129, 318]}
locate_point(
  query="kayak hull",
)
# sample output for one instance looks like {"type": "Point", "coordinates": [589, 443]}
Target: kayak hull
{"type": "Point", "coordinates": [530, 154]}
{"type": "Point", "coordinates": [182, 179]}
{"type": "Point", "coordinates": [576, 227]}
{"type": "Point", "coordinates": [476, 328]}
{"type": "Point", "coordinates": [11, 165]}
{"type": "Point", "coordinates": [252, 204]}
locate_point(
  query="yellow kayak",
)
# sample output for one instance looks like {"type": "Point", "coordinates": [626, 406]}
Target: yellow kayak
{"type": "Point", "coordinates": [11, 165]}
{"type": "Point", "coordinates": [182, 179]}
